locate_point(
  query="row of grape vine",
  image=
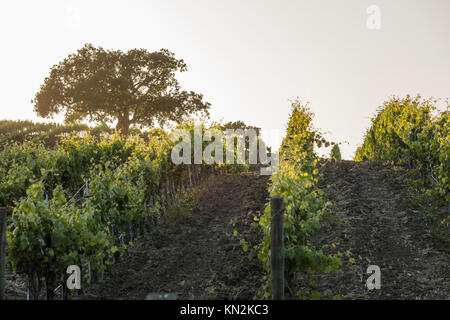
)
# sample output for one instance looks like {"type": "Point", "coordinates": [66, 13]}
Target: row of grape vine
{"type": "Point", "coordinates": [82, 201]}
{"type": "Point", "coordinates": [304, 204]}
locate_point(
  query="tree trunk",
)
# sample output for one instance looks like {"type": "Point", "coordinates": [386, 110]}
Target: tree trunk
{"type": "Point", "coordinates": [50, 286]}
{"type": "Point", "coordinates": [35, 286]}
{"type": "Point", "coordinates": [123, 124]}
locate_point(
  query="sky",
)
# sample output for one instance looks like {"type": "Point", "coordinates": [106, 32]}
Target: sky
{"type": "Point", "coordinates": [248, 58]}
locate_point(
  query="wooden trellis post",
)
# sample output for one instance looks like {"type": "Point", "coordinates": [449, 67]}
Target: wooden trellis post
{"type": "Point", "coordinates": [195, 172]}
{"type": "Point", "coordinates": [3, 220]}
{"type": "Point", "coordinates": [277, 248]}
{"type": "Point", "coordinates": [190, 175]}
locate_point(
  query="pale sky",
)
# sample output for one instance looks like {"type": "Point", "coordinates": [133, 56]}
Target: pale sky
{"type": "Point", "coordinates": [248, 57]}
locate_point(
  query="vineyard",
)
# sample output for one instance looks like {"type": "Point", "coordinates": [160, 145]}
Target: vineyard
{"type": "Point", "coordinates": [138, 223]}
{"type": "Point", "coordinates": [83, 201]}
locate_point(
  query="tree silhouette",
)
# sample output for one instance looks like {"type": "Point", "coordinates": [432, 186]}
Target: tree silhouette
{"type": "Point", "coordinates": [135, 88]}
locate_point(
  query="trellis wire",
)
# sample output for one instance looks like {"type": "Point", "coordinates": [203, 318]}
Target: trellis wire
{"type": "Point", "coordinates": [89, 271]}
{"type": "Point", "coordinates": [171, 188]}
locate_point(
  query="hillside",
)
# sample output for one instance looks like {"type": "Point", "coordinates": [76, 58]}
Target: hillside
{"type": "Point", "coordinates": [202, 259]}
{"type": "Point", "coordinates": [372, 219]}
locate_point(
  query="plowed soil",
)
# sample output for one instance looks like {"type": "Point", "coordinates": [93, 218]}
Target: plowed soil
{"type": "Point", "coordinates": [203, 259]}
{"type": "Point", "coordinates": [374, 220]}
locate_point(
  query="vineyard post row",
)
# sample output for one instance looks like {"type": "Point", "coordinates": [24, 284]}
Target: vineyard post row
{"type": "Point", "coordinates": [3, 218]}
{"type": "Point", "coordinates": [277, 247]}
{"type": "Point", "coordinates": [168, 190]}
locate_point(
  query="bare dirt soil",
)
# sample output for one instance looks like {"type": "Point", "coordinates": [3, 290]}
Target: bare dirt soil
{"type": "Point", "coordinates": [374, 220]}
{"type": "Point", "coordinates": [202, 259]}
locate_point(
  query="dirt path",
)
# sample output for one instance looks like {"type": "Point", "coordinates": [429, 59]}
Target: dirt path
{"type": "Point", "coordinates": [202, 260]}
{"type": "Point", "coordinates": [375, 222]}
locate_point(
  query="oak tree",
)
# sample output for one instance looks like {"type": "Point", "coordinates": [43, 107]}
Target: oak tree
{"type": "Point", "coordinates": [136, 87]}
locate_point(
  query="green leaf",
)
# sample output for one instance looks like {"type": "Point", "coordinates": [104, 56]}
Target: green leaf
{"type": "Point", "coordinates": [315, 295]}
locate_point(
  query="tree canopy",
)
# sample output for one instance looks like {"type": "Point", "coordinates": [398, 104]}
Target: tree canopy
{"type": "Point", "coordinates": [135, 88]}
{"type": "Point", "coordinates": [239, 125]}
